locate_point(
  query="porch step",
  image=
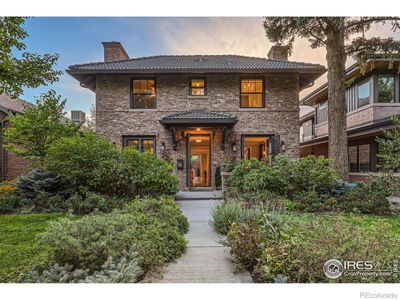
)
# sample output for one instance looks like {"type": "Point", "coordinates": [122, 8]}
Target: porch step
{"type": "Point", "coordinates": [199, 195]}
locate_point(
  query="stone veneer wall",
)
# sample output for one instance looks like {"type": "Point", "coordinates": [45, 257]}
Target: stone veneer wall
{"type": "Point", "coordinates": [114, 118]}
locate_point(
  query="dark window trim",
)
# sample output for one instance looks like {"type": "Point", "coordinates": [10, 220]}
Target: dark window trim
{"type": "Point", "coordinates": [126, 138]}
{"type": "Point", "coordinates": [371, 150]}
{"type": "Point", "coordinates": [132, 100]}
{"type": "Point", "coordinates": [243, 136]}
{"type": "Point", "coordinates": [205, 86]}
{"type": "Point", "coordinates": [361, 82]}
{"type": "Point", "coordinates": [263, 92]}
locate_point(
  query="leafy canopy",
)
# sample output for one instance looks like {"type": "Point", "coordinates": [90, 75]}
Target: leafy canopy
{"type": "Point", "coordinates": [32, 133]}
{"type": "Point", "coordinates": [318, 29]}
{"type": "Point", "coordinates": [26, 69]}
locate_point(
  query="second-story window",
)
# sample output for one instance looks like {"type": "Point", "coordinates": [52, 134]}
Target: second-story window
{"type": "Point", "coordinates": [322, 112]}
{"type": "Point", "coordinates": [251, 93]}
{"type": "Point", "coordinates": [144, 94]}
{"type": "Point", "coordinates": [385, 85]}
{"type": "Point", "coordinates": [363, 92]}
{"type": "Point", "coordinates": [198, 87]}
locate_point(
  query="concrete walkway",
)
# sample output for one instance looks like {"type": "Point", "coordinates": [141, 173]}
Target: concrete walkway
{"type": "Point", "coordinates": [205, 260]}
{"type": "Point", "coordinates": [199, 195]}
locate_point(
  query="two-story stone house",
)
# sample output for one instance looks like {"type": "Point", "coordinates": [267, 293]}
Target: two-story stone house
{"type": "Point", "coordinates": [199, 109]}
{"type": "Point", "coordinates": [372, 97]}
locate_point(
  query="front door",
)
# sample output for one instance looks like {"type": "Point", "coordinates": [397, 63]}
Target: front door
{"type": "Point", "coordinates": [199, 160]}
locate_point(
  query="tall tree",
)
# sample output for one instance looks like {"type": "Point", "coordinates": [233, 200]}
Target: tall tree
{"type": "Point", "coordinates": [32, 133]}
{"type": "Point", "coordinates": [342, 37]}
{"type": "Point", "coordinates": [19, 68]}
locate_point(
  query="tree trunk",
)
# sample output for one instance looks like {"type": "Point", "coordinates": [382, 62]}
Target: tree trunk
{"type": "Point", "coordinates": [336, 59]}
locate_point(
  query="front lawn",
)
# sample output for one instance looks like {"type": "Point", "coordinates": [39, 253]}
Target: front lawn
{"type": "Point", "coordinates": [18, 248]}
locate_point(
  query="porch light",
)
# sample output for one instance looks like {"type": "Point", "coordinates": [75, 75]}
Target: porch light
{"type": "Point", "coordinates": [234, 147]}
{"type": "Point", "coordinates": [283, 147]}
{"type": "Point", "coordinates": [198, 141]}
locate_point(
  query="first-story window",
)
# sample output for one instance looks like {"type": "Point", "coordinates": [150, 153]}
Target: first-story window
{"type": "Point", "coordinates": [141, 143]}
{"type": "Point", "coordinates": [256, 147]}
{"type": "Point", "coordinates": [360, 158]}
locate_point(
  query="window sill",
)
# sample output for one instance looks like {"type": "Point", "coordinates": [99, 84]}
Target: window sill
{"type": "Point", "coordinates": [198, 97]}
{"type": "Point", "coordinates": [142, 109]}
{"type": "Point", "coordinates": [320, 124]}
{"type": "Point", "coordinates": [252, 109]}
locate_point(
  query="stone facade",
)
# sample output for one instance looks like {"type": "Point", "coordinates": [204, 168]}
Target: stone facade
{"type": "Point", "coordinates": [115, 118]}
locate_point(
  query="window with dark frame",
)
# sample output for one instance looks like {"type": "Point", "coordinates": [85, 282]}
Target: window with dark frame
{"type": "Point", "coordinates": [141, 143]}
{"type": "Point", "coordinates": [360, 158]}
{"type": "Point", "coordinates": [198, 87]}
{"type": "Point", "coordinates": [144, 94]}
{"type": "Point", "coordinates": [252, 93]}
{"type": "Point", "coordinates": [256, 146]}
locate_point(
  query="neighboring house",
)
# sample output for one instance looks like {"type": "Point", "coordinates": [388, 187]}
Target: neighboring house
{"type": "Point", "coordinates": [372, 98]}
{"type": "Point", "coordinates": [199, 109]}
{"type": "Point", "coordinates": [11, 165]}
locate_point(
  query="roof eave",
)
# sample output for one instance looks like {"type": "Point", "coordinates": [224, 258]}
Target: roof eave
{"type": "Point", "coordinates": [173, 123]}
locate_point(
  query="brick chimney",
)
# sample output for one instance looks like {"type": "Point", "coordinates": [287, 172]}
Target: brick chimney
{"type": "Point", "coordinates": [278, 52]}
{"type": "Point", "coordinates": [114, 51]}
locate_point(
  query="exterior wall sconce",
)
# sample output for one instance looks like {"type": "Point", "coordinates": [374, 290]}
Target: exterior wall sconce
{"type": "Point", "coordinates": [283, 146]}
{"type": "Point", "coordinates": [162, 148]}
{"type": "Point", "coordinates": [179, 164]}
{"type": "Point", "coordinates": [234, 148]}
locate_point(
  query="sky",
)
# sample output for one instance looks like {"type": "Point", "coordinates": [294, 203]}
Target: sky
{"type": "Point", "coordinates": [78, 40]}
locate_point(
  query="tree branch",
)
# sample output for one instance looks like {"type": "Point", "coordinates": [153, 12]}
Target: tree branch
{"type": "Point", "coordinates": [368, 21]}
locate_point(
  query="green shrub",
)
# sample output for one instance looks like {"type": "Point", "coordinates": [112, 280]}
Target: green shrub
{"type": "Point", "coordinates": [228, 213]}
{"type": "Point", "coordinates": [88, 242]}
{"type": "Point", "coordinates": [10, 201]}
{"type": "Point", "coordinates": [285, 177]}
{"type": "Point", "coordinates": [248, 239]}
{"type": "Point", "coordinates": [369, 198]}
{"type": "Point", "coordinates": [40, 181]}
{"type": "Point", "coordinates": [162, 208]}
{"type": "Point", "coordinates": [148, 175]}
{"type": "Point", "coordinates": [121, 270]}
{"type": "Point", "coordinates": [44, 202]}
{"type": "Point", "coordinates": [224, 215]}
{"type": "Point", "coordinates": [311, 201]}
{"type": "Point", "coordinates": [86, 202]}
{"type": "Point", "coordinates": [87, 161]}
